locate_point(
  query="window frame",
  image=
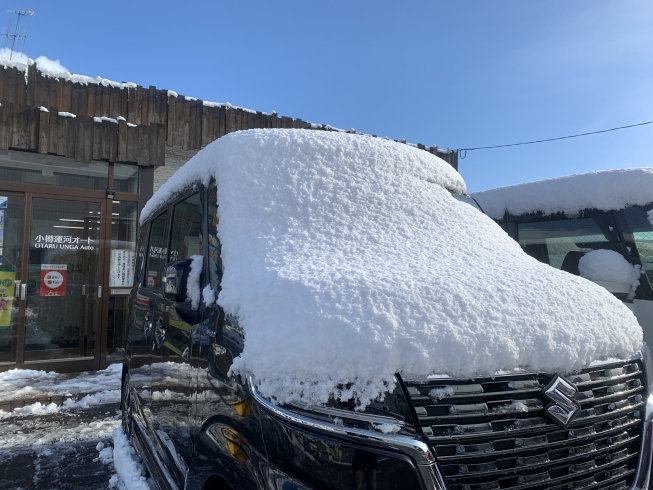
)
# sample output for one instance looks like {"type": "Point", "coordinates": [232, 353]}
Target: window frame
{"type": "Point", "coordinates": [200, 190]}
{"type": "Point", "coordinates": [207, 271]}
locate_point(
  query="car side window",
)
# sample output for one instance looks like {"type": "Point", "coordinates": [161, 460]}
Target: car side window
{"type": "Point", "coordinates": [157, 251]}
{"type": "Point", "coordinates": [215, 260]}
{"type": "Point", "coordinates": [140, 256]}
{"type": "Point", "coordinates": [186, 235]}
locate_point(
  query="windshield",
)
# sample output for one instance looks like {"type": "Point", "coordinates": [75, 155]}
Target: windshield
{"type": "Point", "coordinates": [639, 220]}
{"type": "Point", "coordinates": [561, 243]}
{"type": "Point", "coordinates": [469, 200]}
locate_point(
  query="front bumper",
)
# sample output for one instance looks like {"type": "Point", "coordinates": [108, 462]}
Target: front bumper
{"type": "Point", "coordinates": [421, 454]}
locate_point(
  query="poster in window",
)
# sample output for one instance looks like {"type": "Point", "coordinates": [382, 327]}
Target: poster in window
{"type": "Point", "coordinates": [122, 268]}
{"type": "Point", "coordinates": [53, 279]}
{"type": "Point", "coordinates": [7, 289]}
{"type": "Point", "coordinates": [2, 228]}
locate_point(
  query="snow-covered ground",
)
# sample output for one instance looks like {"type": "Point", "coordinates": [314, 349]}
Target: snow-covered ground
{"type": "Point", "coordinates": [28, 383]}
{"type": "Point", "coordinates": [78, 444]}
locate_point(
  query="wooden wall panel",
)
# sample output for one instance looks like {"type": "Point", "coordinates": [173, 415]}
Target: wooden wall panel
{"type": "Point", "coordinates": [195, 125]}
{"type": "Point", "coordinates": [83, 139]}
{"type": "Point", "coordinates": [171, 125]}
{"type": "Point", "coordinates": [135, 96]}
{"type": "Point", "coordinates": [23, 126]}
{"type": "Point", "coordinates": [160, 120]}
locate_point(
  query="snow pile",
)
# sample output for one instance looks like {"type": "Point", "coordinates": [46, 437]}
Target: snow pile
{"type": "Point", "coordinates": [346, 260]}
{"type": "Point", "coordinates": [18, 60]}
{"type": "Point", "coordinates": [605, 190]}
{"type": "Point", "coordinates": [193, 291]}
{"type": "Point", "coordinates": [34, 409]}
{"type": "Point", "coordinates": [609, 266]}
{"type": "Point", "coordinates": [106, 454]}
{"type": "Point", "coordinates": [513, 406]}
{"type": "Point", "coordinates": [442, 392]}
{"type": "Point", "coordinates": [387, 428]}
{"type": "Point", "coordinates": [46, 65]}
{"type": "Point", "coordinates": [208, 295]}
{"type": "Point", "coordinates": [99, 398]}
{"type": "Point", "coordinates": [53, 69]}
{"type": "Point", "coordinates": [19, 383]}
{"type": "Point", "coordinates": [130, 471]}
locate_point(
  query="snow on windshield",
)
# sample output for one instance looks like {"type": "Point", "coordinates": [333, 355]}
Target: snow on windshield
{"type": "Point", "coordinates": [605, 190]}
{"type": "Point", "coordinates": [347, 260]}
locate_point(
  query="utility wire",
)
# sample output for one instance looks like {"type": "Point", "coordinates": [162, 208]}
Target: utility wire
{"type": "Point", "coordinates": [554, 139]}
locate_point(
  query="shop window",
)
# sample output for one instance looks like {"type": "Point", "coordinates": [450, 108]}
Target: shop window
{"type": "Point", "coordinates": [186, 229]}
{"type": "Point", "coordinates": [125, 178]}
{"type": "Point", "coordinates": [35, 168]}
{"type": "Point", "coordinates": [122, 272]}
{"type": "Point", "coordinates": [157, 252]}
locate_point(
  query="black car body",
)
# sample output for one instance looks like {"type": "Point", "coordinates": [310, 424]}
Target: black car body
{"type": "Point", "coordinates": [196, 425]}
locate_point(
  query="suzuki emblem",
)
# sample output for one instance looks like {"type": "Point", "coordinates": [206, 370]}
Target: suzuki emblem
{"type": "Point", "coordinates": [563, 395]}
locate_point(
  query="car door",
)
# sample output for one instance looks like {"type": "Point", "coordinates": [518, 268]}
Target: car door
{"type": "Point", "coordinates": [172, 390]}
{"type": "Point", "coordinates": [139, 342]}
{"type": "Point", "coordinates": [149, 320]}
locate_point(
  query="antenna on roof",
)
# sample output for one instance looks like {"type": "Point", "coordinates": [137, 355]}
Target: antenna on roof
{"type": "Point", "coordinates": [17, 34]}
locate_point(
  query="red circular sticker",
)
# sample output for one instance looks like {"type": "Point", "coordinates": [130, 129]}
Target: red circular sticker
{"type": "Point", "coordinates": [53, 279]}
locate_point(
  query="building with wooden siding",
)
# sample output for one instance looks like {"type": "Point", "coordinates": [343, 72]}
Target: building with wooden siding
{"type": "Point", "coordinates": [79, 157]}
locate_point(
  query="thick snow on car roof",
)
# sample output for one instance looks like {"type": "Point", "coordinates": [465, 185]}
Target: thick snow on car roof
{"type": "Point", "coordinates": [607, 190]}
{"type": "Point", "coordinates": [347, 260]}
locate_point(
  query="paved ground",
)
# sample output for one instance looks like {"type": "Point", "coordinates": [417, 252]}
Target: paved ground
{"type": "Point", "coordinates": [58, 450]}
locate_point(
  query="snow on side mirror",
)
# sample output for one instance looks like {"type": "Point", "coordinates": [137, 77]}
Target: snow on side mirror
{"type": "Point", "coordinates": [611, 270]}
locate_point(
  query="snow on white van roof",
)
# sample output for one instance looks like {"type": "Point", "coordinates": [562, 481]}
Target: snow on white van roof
{"type": "Point", "coordinates": [347, 260]}
{"type": "Point", "coordinates": [607, 190]}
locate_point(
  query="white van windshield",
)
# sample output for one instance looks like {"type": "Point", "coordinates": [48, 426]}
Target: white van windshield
{"type": "Point", "coordinates": [642, 229]}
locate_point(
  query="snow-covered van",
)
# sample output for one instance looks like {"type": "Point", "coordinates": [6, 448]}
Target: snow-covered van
{"type": "Point", "coordinates": [597, 225]}
{"type": "Point", "coordinates": [328, 310]}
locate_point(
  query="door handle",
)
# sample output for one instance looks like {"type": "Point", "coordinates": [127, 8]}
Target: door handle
{"type": "Point", "coordinates": [23, 291]}
{"type": "Point", "coordinates": [83, 289]}
{"type": "Point", "coordinates": [99, 291]}
{"type": "Point", "coordinates": [17, 288]}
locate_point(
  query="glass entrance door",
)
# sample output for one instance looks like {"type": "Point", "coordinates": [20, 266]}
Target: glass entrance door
{"type": "Point", "coordinates": [63, 286]}
{"type": "Point", "coordinates": [12, 210]}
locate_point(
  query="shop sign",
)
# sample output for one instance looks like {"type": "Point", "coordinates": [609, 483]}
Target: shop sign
{"type": "Point", "coordinates": [53, 279]}
{"type": "Point", "coordinates": [122, 268]}
{"type": "Point", "coordinates": [3, 202]}
{"type": "Point", "coordinates": [7, 289]}
{"type": "Point", "coordinates": [63, 242]}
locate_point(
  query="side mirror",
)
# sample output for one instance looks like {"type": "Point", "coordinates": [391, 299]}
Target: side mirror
{"type": "Point", "coordinates": [187, 314]}
{"type": "Point", "coordinates": [174, 287]}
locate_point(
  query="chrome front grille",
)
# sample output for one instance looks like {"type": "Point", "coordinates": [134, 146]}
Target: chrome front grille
{"type": "Point", "coordinates": [494, 433]}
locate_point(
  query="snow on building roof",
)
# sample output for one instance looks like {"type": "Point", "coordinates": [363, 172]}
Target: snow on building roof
{"type": "Point", "coordinates": [347, 260]}
{"type": "Point", "coordinates": [605, 190]}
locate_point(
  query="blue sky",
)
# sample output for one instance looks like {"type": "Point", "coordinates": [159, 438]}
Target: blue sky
{"type": "Point", "coordinates": [456, 73]}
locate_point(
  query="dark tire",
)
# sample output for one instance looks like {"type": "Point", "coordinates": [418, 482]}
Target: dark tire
{"type": "Point", "coordinates": [125, 403]}
{"type": "Point", "coordinates": [216, 482]}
